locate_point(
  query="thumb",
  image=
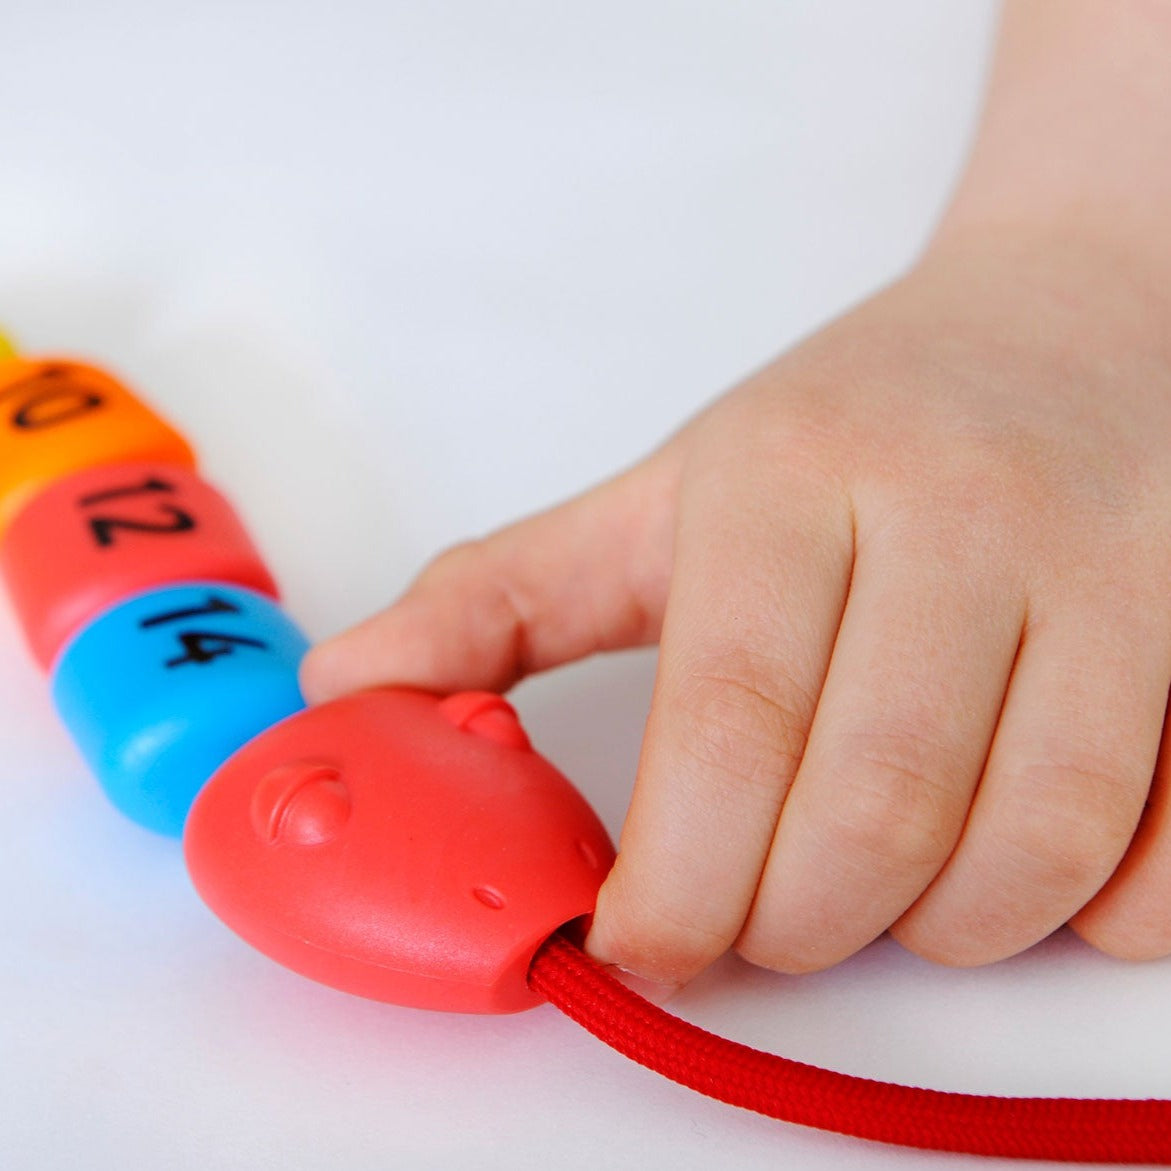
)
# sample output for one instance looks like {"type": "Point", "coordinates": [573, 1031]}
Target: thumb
{"type": "Point", "coordinates": [588, 575]}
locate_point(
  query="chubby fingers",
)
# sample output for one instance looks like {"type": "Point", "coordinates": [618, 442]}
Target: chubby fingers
{"type": "Point", "coordinates": [588, 575]}
{"type": "Point", "coordinates": [1128, 918]}
{"type": "Point", "coordinates": [1065, 783]}
{"type": "Point", "coordinates": [924, 754]}
{"type": "Point", "coordinates": [896, 750]}
{"type": "Point", "coordinates": [761, 575]}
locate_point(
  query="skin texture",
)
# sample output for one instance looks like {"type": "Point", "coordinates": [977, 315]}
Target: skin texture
{"type": "Point", "coordinates": [909, 581]}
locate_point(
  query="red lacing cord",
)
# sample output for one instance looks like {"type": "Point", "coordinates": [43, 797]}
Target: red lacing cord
{"type": "Point", "coordinates": [1070, 1129]}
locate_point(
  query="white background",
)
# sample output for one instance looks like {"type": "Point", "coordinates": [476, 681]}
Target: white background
{"type": "Point", "coordinates": [404, 272]}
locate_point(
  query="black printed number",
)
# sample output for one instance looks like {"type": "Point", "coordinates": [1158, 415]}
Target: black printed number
{"type": "Point", "coordinates": [105, 526]}
{"type": "Point", "coordinates": [54, 394]}
{"type": "Point", "coordinates": [202, 646]}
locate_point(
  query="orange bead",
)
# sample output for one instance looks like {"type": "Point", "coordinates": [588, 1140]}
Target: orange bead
{"type": "Point", "coordinates": [58, 417]}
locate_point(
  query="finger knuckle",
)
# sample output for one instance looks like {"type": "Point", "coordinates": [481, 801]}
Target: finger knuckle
{"type": "Point", "coordinates": [1070, 822]}
{"type": "Point", "coordinates": [733, 724]}
{"type": "Point", "coordinates": [892, 796]}
{"type": "Point", "coordinates": [498, 601]}
{"type": "Point", "coordinates": [454, 561]}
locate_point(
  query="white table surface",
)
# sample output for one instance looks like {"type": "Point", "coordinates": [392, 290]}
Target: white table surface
{"type": "Point", "coordinates": [403, 272]}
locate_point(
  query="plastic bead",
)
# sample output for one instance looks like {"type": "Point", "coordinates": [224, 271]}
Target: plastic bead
{"type": "Point", "coordinates": [58, 417]}
{"type": "Point", "coordinates": [400, 847]}
{"type": "Point", "coordinates": [159, 691]}
{"type": "Point", "coordinates": [97, 537]}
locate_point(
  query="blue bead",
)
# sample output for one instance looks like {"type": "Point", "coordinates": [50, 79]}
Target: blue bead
{"type": "Point", "coordinates": [161, 689]}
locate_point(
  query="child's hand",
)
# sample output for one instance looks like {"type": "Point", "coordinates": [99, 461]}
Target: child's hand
{"type": "Point", "coordinates": [912, 583]}
{"type": "Point", "coordinates": [913, 589]}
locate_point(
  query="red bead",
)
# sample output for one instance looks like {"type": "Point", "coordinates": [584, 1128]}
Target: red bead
{"type": "Point", "coordinates": [95, 538]}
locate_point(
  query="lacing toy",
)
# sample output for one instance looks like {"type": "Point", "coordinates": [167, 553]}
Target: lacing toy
{"type": "Point", "coordinates": [394, 844]}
